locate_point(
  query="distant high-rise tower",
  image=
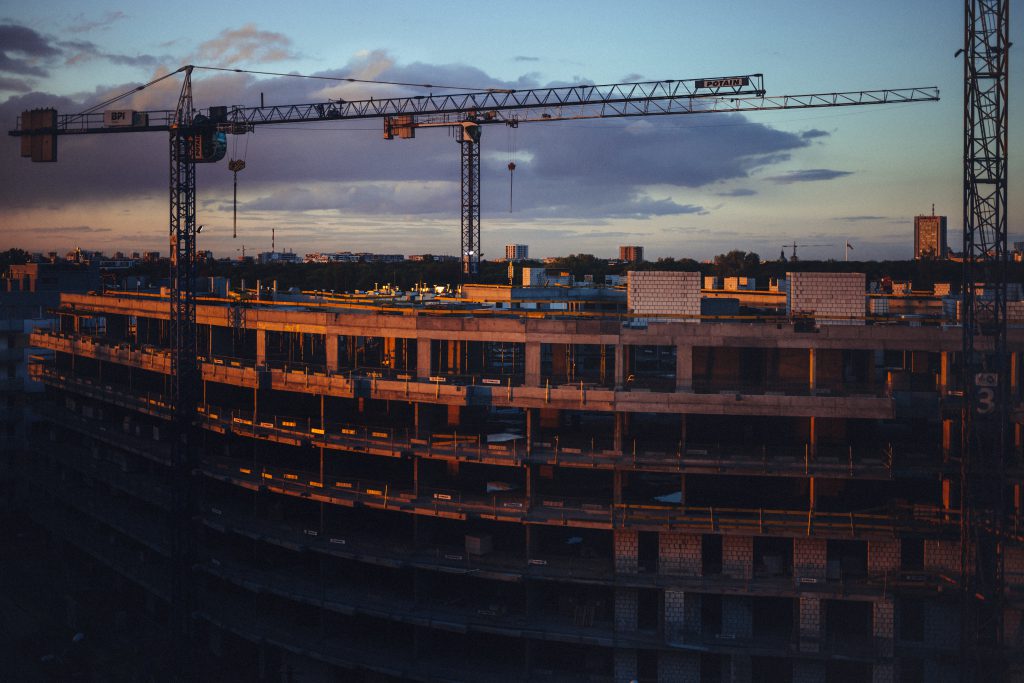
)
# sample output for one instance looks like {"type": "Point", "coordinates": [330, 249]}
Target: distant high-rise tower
{"type": "Point", "coordinates": [631, 253]}
{"type": "Point", "coordinates": [930, 236]}
{"type": "Point", "coordinates": [517, 252]}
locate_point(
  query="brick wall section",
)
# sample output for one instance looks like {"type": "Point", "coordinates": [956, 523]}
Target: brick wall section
{"type": "Point", "coordinates": [678, 667]}
{"type": "Point", "coordinates": [883, 673]}
{"type": "Point", "coordinates": [737, 619]}
{"type": "Point", "coordinates": [625, 665]}
{"type": "Point", "coordinates": [691, 614]}
{"type": "Point", "coordinates": [809, 558]}
{"type": "Point", "coordinates": [679, 554]}
{"type": "Point", "coordinates": [625, 610]}
{"type": "Point", "coordinates": [1013, 567]}
{"type": "Point", "coordinates": [828, 295]}
{"type": "Point", "coordinates": [652, 292]}
{"type": "Point", "coordinates": [810, 623]}
{"type": "Point", "coordinates": [884, 556]}
{"type": "Point", "coordinates": [738, 556]}
{"type": "Point", "coordinates": [627, 546]}
{"type": "Point", "coordinates": [808, 671]}
{"type": "Point", "coordinates": [675, 613]}
{"type": "Point", "coordinates": [940, 672]}
{"type": "Point", "coordinates": [942, 556]}
{"type": "Point", "coordinates": [883, 625]}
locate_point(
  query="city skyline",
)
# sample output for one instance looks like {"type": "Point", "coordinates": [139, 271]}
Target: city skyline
{"type": "Point", "coordinates": [682, 186]}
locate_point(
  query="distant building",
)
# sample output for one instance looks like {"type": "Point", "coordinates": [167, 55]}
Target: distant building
{"type": "Point", "coordinates": [631, 254]}
{"type": "Point", "coordinates": [278, 257]}
{"type": "Point", "coordinates": [517, 252]}
{"type": "Point", "coordinates": [930, 237]}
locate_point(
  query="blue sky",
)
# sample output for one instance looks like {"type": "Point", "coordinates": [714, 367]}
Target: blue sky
{"type": "Point", "coordinates": [688, 186]}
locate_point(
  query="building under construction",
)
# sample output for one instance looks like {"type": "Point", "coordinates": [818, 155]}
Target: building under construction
{"type": "Point", "coordinates": [560, 483]}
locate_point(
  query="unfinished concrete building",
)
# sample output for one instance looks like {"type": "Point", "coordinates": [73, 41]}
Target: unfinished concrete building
{"type": "Point", "coordinates": [495, 491]}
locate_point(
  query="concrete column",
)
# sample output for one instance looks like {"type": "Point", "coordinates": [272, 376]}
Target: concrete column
{"type": "Point", "coordinates": [617, 436]}
{"type": "Point", "coordinates": [812, 437]}
{"type": "Point", "coordinates": [812, 375]}
{"type": "Point", "coordinates": [261, 347]}
{"type": "Point", "coordinates": [529, 431]}
{"type": "Point", "coordinates": [617, 487]}
{"type": "Point", "coordinates": [684, 367]}
{"type": "Point", "coordinates": [423, 358]}
{"type": "Point", "coordinates": [883, 672]}
{"type": "Point", "coordinates": [947, 439]}
{"type": "Point", "coordinates": [331, 350]}
{"type": "Point", "coordinates": [620, 366]}
{"type": "Point", "coordinates": [943, 372]}
{"type": "Point", "coordinates": [740, 668]}
{"type": "Point", "coordinates": [682, 434]}
{"type": "Point", "coordinates": [532, 369]}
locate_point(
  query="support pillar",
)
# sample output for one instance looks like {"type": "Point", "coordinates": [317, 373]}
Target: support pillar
{"type": "Point", "coordinates": [947, 439]}
{"type": "Point", "coordinates": [812, 437]}
{"type": "Point", "coordinates": [943, 372]}
{"type": "Point", "coordinates": [684, 368]}
{"type": "Point", "coordinates": [331, 350]}
{"type": "Point", "coordinates": [529, 431]}
{"type": "Point", "coordinates": [531, 371]}
{"type": "Point", "coordinates": [620, 366]}
{"type": "Point", "coordinates": [812, 375]}
{"type": "Point", "coordinates": [810, 623]}
{"type": "Point", "coordinates": [617, 436]}
{"type": "Point", "coordinates": [423, 358]}
{"type": "Point", "coordinates": [261, 347]}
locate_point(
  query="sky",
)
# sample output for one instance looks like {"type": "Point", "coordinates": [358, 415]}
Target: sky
{"type": "Point", "coordinates": [682, 186]}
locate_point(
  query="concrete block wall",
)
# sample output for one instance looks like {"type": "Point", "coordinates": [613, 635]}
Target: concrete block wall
{"type": "Point", "coordinates": [625, 665]}
{"type": "Point", "coordinates": [883, 556]}
{"type": "Point", "coordinates": [808, 671]}
{"type": "Point", "coordinates": [738, 556]}
{"type": "Point", "coordinates": [942, 556]}
{"type": "Point", "coordinates": [675, 613]}
{"type": "Point", "coordinates": [627, 548]}
{"type": "Point", "coordinates": [678, 667]}
{"type": "Point", "coordinates": [1013, 628]}
{"type": "Point", "coordinates": [943, 289]}
{"type": "Point", "coordinates": [810, 557]}
{"type": "Point", "coordinates": [883, 672]}
{"type": "Point", "coordinates": [737, 618]}
{"type": "Point", "coordinates": [828, 295]}
{"type": "Point", "coordinates": [811, 619]}
{"type": "Point", "coordinates": [1013, 567]}
{"type": "Point", "coordinates": [626, 607]}
{"type": "Point", "coordinates": [679, 553]}
{"type": "Point", "coordinates": [651, 292]}
{"type": "Point", "coordinates": [883, 624]}
{"type": "Point", "coordinates": [940, 672]}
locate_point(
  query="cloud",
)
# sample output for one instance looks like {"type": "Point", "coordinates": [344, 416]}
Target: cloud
{"type": "Point", "coordinates": [860, 218]}
{"type": "Point", "coordinates": [59, 230]}
{"type": "Point", "coordinates": [80, 51]}
{"type": "Point", "coordinates": [246, 45]}
{"type": "Point", "coordinates": [737, 192]}
{"type": "Point", "coordinates": [809, 175]}
{"type": "Point", "coordinates": [814, 133]}
{"type": "Point", "coordinates": [524, 58]}
{"type": "Point", "coordinates": [83, 25]}
{"type": "Point", "coordinates": [13, 85]}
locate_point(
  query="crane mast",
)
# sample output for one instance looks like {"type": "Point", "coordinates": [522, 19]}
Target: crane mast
{"type": "Point", "coordinates": [985, 366]}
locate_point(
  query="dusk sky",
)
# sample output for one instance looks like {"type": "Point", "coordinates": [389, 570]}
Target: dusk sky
{"type": "Point", "coordinates": [682, 186]}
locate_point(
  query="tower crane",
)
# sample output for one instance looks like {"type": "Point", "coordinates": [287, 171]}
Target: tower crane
{"type": "Point", "coordinates": [794, 246]}
{"type": "Point", "coordinates": [199, 136]}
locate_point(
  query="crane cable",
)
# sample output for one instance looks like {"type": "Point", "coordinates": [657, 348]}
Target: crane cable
{"type": "Point", "coordinates": [511, 162]}
{"type": "Point", "coordinates": [236, 165]}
